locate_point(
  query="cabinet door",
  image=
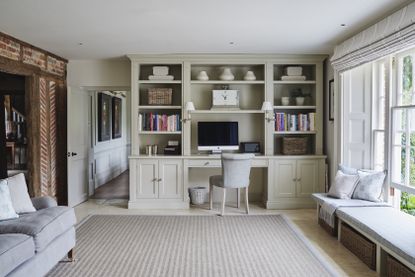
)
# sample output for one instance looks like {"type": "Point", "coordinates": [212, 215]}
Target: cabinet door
{"type": "Point", "coordinates": [170, 179]}
{"type": "Point", "coordinates": [307, 177]}
{"type": "Point", "coordinates": [146, 180]}
{"type": "Point", "coordinates": [284, 178]}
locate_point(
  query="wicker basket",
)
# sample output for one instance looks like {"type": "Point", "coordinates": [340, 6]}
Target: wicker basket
{"type": "Point", "coordinates": [160, 96]}
{"type": "Point", "coordinates": [198, 195]}
{"type": "Point", "coordinates": [332, 231]}
{"type": "Point", "coordinates": [294, 145]}
{"type": "Point", "coordinates": [363, 248]}
{"type": "Point", "coordinates": [394, 268]}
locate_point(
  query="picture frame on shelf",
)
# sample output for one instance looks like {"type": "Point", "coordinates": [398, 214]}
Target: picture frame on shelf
{"type": "Point", "coordinates": [116, 117]}
{"type": "Point", "coordinates": [104, 116]}
{"type": "Point", "coordinates": [331, 100]}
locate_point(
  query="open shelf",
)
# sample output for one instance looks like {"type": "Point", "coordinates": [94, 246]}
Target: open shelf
{"type": "Point", "coordinates": [226, 111]}
{"type": "Point", "coordinates": [295, 132]}
{"type": "Point", "coordinates": [228, 82]}
{"type": "Point", "coordinates": [159, 133]}
{"type": "Point", "coordinates": [159, 81]}
{"type": "Point", "coordinates": [294, 82]}
{"type": "Point", "coordinates": [149, 107]}
{"type": "Point", "coordinates": [294, 107]}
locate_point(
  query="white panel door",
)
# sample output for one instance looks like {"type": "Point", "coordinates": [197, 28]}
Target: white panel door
{"type": "Point", "coordinates": [307, 178]}
{"type": "Point", "coordinates": [284, 178]}
{"type": "Point", "coordinates": [78, 146]}
{"type": "Point", "coordinates": [147, 176]}
{"type": "Point", "coordinates": [356, 117]}
{"type": "Point", "coordinates": [170, 179]}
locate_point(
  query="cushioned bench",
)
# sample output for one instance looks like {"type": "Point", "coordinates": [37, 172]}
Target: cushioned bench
{"type": "Point", "coordinates": [392, 231]}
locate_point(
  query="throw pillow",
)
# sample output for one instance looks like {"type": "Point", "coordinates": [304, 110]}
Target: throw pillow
{"type": "Point", "coordinates": [6, 208]}
{"type": "Point", "coordinates": [370, 186]}
{"type": "Point", "coordinates": [343, 186]}
{"type": "Point", "coordinates": [348, 170]}
{"type": "Point", "coordinates": [19, 194]}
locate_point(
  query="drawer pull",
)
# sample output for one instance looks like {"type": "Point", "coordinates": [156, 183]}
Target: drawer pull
{"type": "Point", "coordinates": [155, 179]}
{"type": "Point", "coordinates": [206, 163]}
{"type": "Point", "coordinates": [159, 180]}
{"type": "Point", "coordinates": [294, 180]}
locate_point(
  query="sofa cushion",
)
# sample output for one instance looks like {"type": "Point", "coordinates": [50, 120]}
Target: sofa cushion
{"type": "Point", "coordinates": [44, 225]}
{"type": "Point", "coordinates": [15, 249]}
{"type": "Point", "coordinates": [19, 194]}
{"type": "Point", "coordinates": [392, 228]}
{"type": "Point", "coordinates": [370, 186]}
{"type": "Point", "coordinates": [6, 207]}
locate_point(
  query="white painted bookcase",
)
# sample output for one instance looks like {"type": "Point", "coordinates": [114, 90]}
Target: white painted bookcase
{"type": "Point", "coordinates": [284, 181]}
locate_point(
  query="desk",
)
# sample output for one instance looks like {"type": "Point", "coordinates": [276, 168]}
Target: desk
{"type": "Point", "coordinates": [160, 182]}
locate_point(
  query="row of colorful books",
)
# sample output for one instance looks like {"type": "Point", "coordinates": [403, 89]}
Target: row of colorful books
{"type": "Point", "coordinates": [159, 122]}
{"type": "Point", "coordinates": [295, 122]}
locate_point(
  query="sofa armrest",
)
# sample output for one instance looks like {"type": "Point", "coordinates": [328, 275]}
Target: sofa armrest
{"type": "Point", "coordinates": [44, 202]}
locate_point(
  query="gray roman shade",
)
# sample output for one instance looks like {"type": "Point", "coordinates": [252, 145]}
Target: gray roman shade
{"type": "Point", "coordinates": [394, 33]}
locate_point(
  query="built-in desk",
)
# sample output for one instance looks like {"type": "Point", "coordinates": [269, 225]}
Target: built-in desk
{"type": "Point", "coordinates": [162, 181]}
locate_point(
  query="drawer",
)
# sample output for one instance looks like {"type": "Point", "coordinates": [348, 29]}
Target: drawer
{"type": "Point", "coordinates": [204, 163]}
{"type": "Point", "coordinates": [259, 163]}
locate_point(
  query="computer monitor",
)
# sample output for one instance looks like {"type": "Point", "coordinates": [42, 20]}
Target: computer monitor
{"type": "Point", "coordinates": [217, 136]}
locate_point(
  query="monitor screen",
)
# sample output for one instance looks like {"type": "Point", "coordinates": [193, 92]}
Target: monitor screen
{"type": "Point", "coordinates": [217, 135]}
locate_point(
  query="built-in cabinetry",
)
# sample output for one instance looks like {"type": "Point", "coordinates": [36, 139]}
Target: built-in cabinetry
{"type": "Point", "coordinates": [162, 181]}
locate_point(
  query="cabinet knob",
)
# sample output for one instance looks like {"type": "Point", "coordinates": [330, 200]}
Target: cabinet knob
{"type": "Point", "coordinates": [155, 179]}
{"type": "Point", "coordinates": [159, 180]}
{"type": "Point", "coordinates": [299, 179]}
{"type": "Point", "coordinates": [294, 179]}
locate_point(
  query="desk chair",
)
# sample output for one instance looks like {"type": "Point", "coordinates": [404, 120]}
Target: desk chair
{"type": "Point", "coordinates": [235, 174]}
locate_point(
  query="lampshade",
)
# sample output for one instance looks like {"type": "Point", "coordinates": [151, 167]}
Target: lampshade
{"type": "Point", "coordinates": [266, 106]}
{"type": "Point", "coordinates": [190, 106]}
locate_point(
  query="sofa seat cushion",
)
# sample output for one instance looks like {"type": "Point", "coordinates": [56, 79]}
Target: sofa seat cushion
{"type": "Point", "coordinates": [43, 225]}
{"type": "Point", "coordinates": [392, 228]}
{"type": "Point", "coordinates": [15, 249]}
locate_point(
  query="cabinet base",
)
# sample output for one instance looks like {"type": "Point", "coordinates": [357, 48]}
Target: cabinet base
{"type": "Point", "coordinates": [290, 203]}
{"type": "Point", "coordinates": [158, 204]}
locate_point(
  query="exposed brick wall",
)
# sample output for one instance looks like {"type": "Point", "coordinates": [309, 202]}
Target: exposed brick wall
{"type": "Point", "coordinates": [20, 51]}
{"type": "Point", "coordinates": [34, 57]}
{"type": "Point", "coordinates": [9, 48]}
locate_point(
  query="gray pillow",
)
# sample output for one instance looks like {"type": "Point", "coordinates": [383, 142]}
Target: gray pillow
{"type": "Point", "coordinates": [348, 170]}
{"type": "Point", "coordinates": [6, 208]}
{"type": "Point", "coordinates": [19, 194]}
{"type": "Point", "coordinates": [343, 186]}
{"type": "Point", "coordinates": [370, 186]}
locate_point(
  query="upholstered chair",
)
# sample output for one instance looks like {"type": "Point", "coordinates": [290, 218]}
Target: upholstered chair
{"type": "Point", "coordinates": [235, 174]}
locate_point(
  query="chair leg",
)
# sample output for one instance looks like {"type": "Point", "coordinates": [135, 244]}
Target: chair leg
{"type": "Point", "coordinates": [71, 255]}
{"type": "Point", "coordinates": [210, 197]}
{"type": "Point", "coordinates": [223, 202]}
{"type": "Point", "coordinates": [238, 198]}
{"type": "Point", "coordinates": [246, 200]}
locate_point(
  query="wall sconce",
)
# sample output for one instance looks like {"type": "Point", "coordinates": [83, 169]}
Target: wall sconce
{"type": "Point", "coordinates": [267, 108]}
{"type": "Point", "coordinates": [189, 107]}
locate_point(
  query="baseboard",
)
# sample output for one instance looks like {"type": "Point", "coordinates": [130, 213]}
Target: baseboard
{"type": "Point", "coordinates": [290, 203]}
{"type": "Point", "coordinates": [158, 204]}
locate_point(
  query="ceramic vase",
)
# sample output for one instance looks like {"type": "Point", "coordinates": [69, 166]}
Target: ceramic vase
{"type": "Point", "coordinates": [250, 76]}
{"type": "Point", "coordinates": [227, 75]}
{"type": "Point", "coordinates": [202, 76]}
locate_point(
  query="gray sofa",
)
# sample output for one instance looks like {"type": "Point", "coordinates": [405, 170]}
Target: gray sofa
{"type": "Point", "coordinates": [34, 243]}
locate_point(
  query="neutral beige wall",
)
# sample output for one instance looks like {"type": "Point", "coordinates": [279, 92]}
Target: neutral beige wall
{"type": "Point", "coordinates": [104, 73]}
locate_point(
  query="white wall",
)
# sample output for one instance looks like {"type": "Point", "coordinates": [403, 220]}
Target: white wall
{"type": "Point", "coordinates": [110, 158]}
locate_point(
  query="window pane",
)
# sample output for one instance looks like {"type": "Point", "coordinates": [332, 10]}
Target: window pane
{"type": "Point", "coordinates": [398, 165]}
{"type": "Point", "coordinates": [399, 138]}
{"type": "Point", "coordinates": [379, 150]}
{"type": "Point", "coordinates": [399, 120]}
{"type": "Point", "coordinates": [408, 203]}
{"type": "Point", "coordinates": [407, 86]}
{"type": "Point", "coordinates": [412, 164]}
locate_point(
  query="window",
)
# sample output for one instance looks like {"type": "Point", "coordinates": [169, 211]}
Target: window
{"type": "Point", "coordinates": [402, 146]}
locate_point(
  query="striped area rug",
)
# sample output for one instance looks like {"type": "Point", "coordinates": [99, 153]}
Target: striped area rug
{"type": "Point", "coordinates": [130, 245]}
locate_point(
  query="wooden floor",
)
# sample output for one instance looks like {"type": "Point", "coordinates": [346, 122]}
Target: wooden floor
{"type": "Point", "coordinates": [343, 260]}
{"type": "Point", "coordinates": [117, 188]}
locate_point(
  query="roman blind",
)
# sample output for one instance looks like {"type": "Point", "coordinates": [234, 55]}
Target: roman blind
{"type": "Point", "coordinates": [392, 34]}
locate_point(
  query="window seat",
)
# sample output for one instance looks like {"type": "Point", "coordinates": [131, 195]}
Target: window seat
{"type": "Point", "coordinates": [390, 231]}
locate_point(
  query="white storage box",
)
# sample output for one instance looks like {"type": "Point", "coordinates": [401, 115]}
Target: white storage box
{"type": "Point", "coordinates": [160, 70]}
{"type": "Point", "coordinates": [294, 70]}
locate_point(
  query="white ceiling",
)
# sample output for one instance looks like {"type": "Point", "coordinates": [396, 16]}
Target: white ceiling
{"type": "Point", "coordinates": [114, 28]}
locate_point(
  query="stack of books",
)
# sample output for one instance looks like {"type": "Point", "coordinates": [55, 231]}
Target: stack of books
{"type": "Point", "coordinates": [294, 122]}
{"type": "Point", "coordinates": [159, 122]}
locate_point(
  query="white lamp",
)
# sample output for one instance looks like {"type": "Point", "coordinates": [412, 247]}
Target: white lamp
{"type": "Point", "coordinates": [267, 107]}
{"type": "Point", "coordinates": [189, 107]}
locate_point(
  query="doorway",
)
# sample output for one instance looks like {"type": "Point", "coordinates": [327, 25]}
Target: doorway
{"type": "Point", "coordinates": [13, 135]}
